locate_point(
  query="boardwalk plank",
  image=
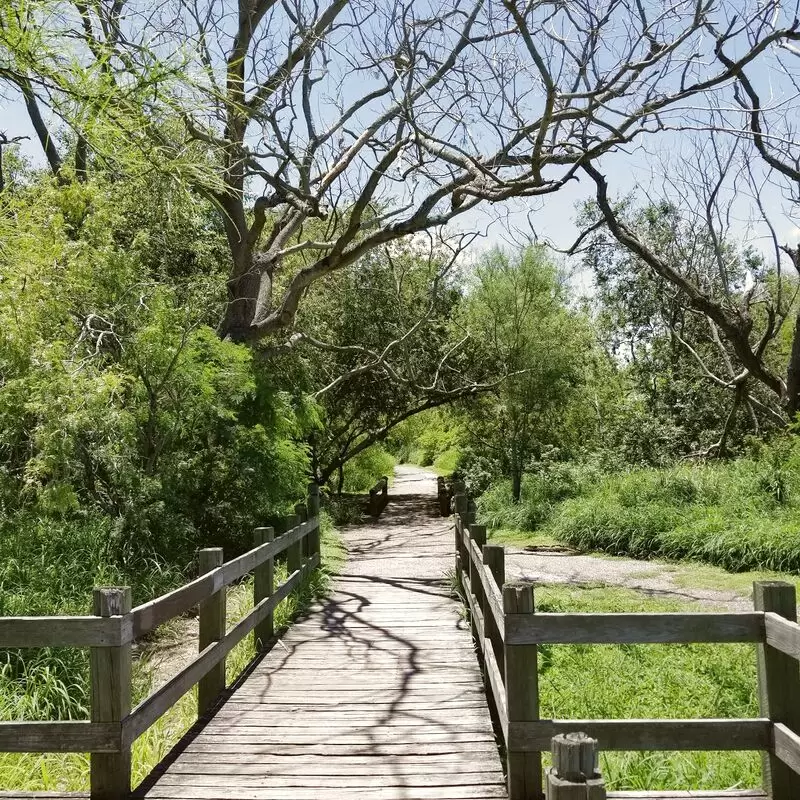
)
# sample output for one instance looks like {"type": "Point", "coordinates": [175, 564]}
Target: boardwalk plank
{"type": "Point", "coordinates": [376, 694]}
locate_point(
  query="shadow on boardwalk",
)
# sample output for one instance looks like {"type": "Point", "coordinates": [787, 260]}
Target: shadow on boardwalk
{"type": "Point", "coordinates": [376, 693]}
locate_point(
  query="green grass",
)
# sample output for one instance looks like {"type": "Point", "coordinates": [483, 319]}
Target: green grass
{"type": "Point", "coordinates": [510, 537]}
{"type": "Point", "coordinates": [649, 681]}
{"type": "Point", "coordinates": [44, 685]}
{"type": "Point", "coordinates": [446, 463]}
{"type": "Point", "coordinates": [743, 516]}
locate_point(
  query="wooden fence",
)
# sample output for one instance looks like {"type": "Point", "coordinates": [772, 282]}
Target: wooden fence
{"type": "Point", "coordinates": [508, 630]}
{"type": "Point", "coordinates": [378, 497]}
{"type": "Point", "coordinates": [114, 725]}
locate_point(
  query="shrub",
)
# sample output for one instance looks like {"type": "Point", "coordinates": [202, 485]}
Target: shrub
{"type": "Point", "coordinates": [741, 515]}
{"type": "Point", "coordinates": [369, 466]}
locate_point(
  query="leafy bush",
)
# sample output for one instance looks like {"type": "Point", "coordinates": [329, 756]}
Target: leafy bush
{"type": "Point", "coordinates": [447, 463]}
{"type": "Point", "coordinates": [541, 492]}
{"type": "Point", "coordinates": [742, 515]}
{"type": "Point", "coordinates": [367, 468]}
{"type": "Point", "coordinates": [130, 434]}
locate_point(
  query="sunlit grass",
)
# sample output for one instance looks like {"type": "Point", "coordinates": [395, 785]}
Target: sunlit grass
{"type": "Point", "coordinates": [650, 682]}
{"type": "Point", "coordinates": [45, 695]}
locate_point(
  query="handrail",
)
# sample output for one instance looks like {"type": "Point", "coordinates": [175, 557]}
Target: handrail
{"type": "Point", "coordinates": [378, 497]}
{"type": "Point", "coordinates": [635, 628]}
{"type": "Point", "coordinates": [109, 634]}
{"type": "Point", "coordinates": [508, 631]}
{"type": "Point", "coordinates": [149, 710]}
{"type": "Point", "coordinates": [64, 631]}
{"type": "Point", "coordinates": [156, 612]}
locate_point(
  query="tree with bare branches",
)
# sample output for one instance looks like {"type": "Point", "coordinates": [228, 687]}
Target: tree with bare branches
{"type": "Point", "coordinates": [371, 121]}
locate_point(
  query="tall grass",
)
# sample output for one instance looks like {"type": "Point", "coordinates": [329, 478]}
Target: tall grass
{"type": "Point", "coordinates": [740, 515]}
{"type": "Point", "coordinates": [362, 472]}
{"type": "Point", "coordinates": [651, 682]}
{"type": "Point", "coordinates": [53, 684]}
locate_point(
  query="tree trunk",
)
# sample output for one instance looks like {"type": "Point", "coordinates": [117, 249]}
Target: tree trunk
{"type": "Point", "coordinates": [793, 374]}
{"type": "Point", "coordinates": [39, 125]}
{"type": "Point", "coordinates": [516, 482]}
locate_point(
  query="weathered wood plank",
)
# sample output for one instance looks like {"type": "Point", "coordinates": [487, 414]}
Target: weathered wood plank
{"type": "Point", "coordinates": [267, 780]}
{"type": "Point", "coordinates": [636, 628]}
{"type": "Point", "coordinates": [59, 737]}
{"type": "Point", "coordinates": [193, 763]}
{"type": "Point", "coordinates": [300, 793]}
{"type": "Point", "coordinates": [327, 750]}
{"type": "Point", "coordinates": [497, 687]}
{"type": "Point", "coordinates": [149, 710]}
{"type": "Point", "coordinates": [648, 734]}
{"type": "Point", "coordinates": [782, 634]}
{"type": "Point", "coordinates": [62, 631]}
{"type": "Point", "coordinates": [786, 745]}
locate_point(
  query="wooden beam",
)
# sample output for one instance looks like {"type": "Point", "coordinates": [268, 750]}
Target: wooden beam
{"type": "Point", "coordinates": [61, 631]}
{"type": "Point", "coordinates": [647, 734]}
{"type": "Point", "coordinates": [263, 587]}
{"type": "Point", "coordinates": [524, 764]}
{"type": "Point", "coordinates": [59, 737]}
{"type": "Point", "coordinates": [110, 668]}
{"type": "Point", "coordinates": [786, 745]}
{"type": "Point", "coordinates": [212, 629]}
{"type": "Point", "coordinates": [636, 628]}
{"type": "Point", "coordinates": [778, 687]}
{"type": "Point", "coordinates": [782, 634]}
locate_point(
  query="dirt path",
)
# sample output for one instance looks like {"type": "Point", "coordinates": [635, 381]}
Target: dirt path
{"type": "Point", "coordinates": [553, 565]}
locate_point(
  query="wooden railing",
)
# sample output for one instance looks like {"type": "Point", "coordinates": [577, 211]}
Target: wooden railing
{"type": "Point", "coordinates": [114, 725]}
{"type": "Point", "coordinates": [444, 496]}
{"type": "Point", "coordinates": [378, 497]}
{"type": "Point", "coordinates": [508, 630]}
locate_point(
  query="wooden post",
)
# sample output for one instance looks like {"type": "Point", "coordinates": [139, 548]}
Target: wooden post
{"type": "Point", "coordinates": [494, 556]}
{"type": "Point", "coordinates": [522, 698]}
{"type": "Point", "coordinates": [574, 774]}
{"type": "Point", "coordinates": [477, 533]}
{"type": "Point", "coordinates": [778, 687]}
{"type": "Point", "coordinates": [467, 518]}
{"type": "Point", "coordinates": [459, 508]}
{"type": "Point", "coordinates": [301, 512]}
{"type": "Point", "coordinates": [263, 587]}
{"type": "Point", "coordinates": [313, 513]}
{"type": "Point", "coordinates": [212, 629]}
{"type": "Point", "coordinates": [443, 497]}
{"type": "Point", "coordinates": [111, 699]}
{"type": "Point", "coordinates": [294, 553]}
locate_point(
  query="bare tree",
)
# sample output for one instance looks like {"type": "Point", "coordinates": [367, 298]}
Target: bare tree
{"type": "Point", "coordinates": [743, 293]}
{"type": "Point", "coordinates": [382, 119]}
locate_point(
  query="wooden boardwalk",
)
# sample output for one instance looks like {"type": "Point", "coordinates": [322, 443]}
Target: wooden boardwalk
{"type": "Point", "coordinates": [376, 694]}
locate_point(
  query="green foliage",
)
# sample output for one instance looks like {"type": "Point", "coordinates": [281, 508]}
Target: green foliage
{"type": "Point", "coordinates": [518, 308]}
{"type": "Point", "coordinates": [130, 434]}
{"type": "Point", "coordinates": [541, 492]}
{"type": "Point", "coordinates": [427, 437]}
{"type": "Point", "coordinates": [741, 515]}
{"type": "Point", "coordinates": [665, 351]}
{"type": "Point", "coordinates": [649, 682]}
{"type": "Point", "coordinates": [363, 471]}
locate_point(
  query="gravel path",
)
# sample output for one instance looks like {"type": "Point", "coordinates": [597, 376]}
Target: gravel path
{"type": "Point", "coordinates": [412, 513]}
